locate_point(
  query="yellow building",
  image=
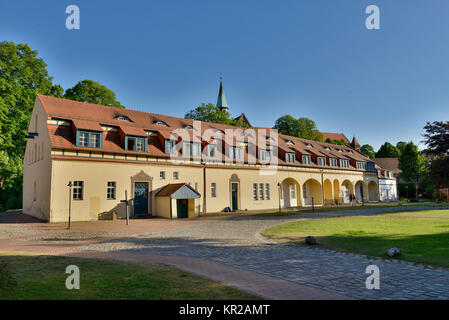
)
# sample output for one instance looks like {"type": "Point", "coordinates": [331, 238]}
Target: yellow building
{"type": "Point", "coordinates": [173, 167]}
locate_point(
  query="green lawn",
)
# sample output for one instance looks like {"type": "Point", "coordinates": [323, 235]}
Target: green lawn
{"type": "Point", "coordinates": [423, 235]}
{"type": "Point", "coordinates": [43, 277]}
{"type": "Point", "coordinates": [348, 207]}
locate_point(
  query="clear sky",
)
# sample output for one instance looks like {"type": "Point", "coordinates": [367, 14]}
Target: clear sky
{"type": "Point", "coordinates": [307, 58]}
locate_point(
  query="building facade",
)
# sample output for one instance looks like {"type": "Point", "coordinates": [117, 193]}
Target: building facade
{"type": "Point", "coordinates": [173, 167]}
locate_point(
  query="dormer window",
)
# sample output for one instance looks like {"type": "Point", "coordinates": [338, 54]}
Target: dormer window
{"type": "Point", "coordinates": [188, 127]}
{"type": "Point", "coordinates": [360, 165]}
{"type": "Point", "coordinates": [328, 149]}
{"type": "Point", "coordinates": [89, 139]}
{"type": "Point", "coordinates": [265, 155]}
{"type": "Point", "coordinates": [340, 150]}
{"type": "Point", "coordinates": [235, 153]}
{"type": "Point", "coordinates": [333, 162]}
{"type": "Point", "coordinates": [306, 159]}
{"type": "Point", "coordinates": [212, 150]}
{"type": "Point", "coordinates": [135, 143]}
{"type": "Point", "coordinates": [190, 149]}
{"type": "Point", "coordinates": [122, 118]}
{"type": "Point", "coordinates": [170, 146]}
{"type": "Point", "coordinates": [322, 161]}
{"type": "Point", "coordinates": [218, 131]}
{"type": "Point", "coordinates": [344, 163]}
{"type": "Point", "coordinates": [309, 145]}
{"type": "Point", "coordinates": [160, 123]}
{"type": "Point", "coordinates": [290, 142]}
{"type": "Point", "coordinates": [290, 157]}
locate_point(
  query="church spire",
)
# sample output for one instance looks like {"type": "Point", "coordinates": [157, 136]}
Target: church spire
{"type": "Point", "coordinates": [221, 101]}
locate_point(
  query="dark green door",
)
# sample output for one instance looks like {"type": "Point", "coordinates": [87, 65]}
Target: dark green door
{"type": "Point", "coordinates": [141, 198]}
{"type": "Point", "coordinates": [234, 194]}
{"type": "Point", "coordinates": [183, 208]}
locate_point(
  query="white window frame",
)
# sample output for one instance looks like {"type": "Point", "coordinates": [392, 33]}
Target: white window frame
{"type": "Point", "coordinates": [306, 159]}
{"type": "Point", "coordinates": [255, 192]}
{"type": "Point", "coordinates": [321, 161]}
{"type": "Point", "coordinates": [290, 157]}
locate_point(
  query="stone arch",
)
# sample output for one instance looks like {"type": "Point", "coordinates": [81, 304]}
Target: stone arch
{"type": "Point", "coordinates": [337, 198]}
{"type": "Point", "coordinates": [311, 189]}
{"type": "Point", "coordinates": [328, 192]}
{"type": "Point", "coordinates": [346, 189]}
{"type": "Point", "coordinates": [373, 191]}
{"type": "Point", "coordinates": [361, 193]}
{"type": "Point", "coordinates": [290, 193]}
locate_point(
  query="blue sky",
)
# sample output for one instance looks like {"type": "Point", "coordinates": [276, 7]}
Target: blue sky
{"type": "Point", "coordinates": [308, 58]}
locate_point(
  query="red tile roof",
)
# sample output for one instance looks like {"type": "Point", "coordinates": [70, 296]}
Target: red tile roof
{"type": "Point", "coordinates": [334, 136]}
{"type": "Point", "coordinates": [92, 116]}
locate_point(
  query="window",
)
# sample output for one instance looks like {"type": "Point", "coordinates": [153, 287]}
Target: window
{"type": "Point", "coordinates": [292, 191]}
{"type": "Point", "coordinates": [212, 150]}
{"type": "Point", "coordinates": [306, 159]}
{"type": "Point", "coordinates": [235, 153]}
{"type": "Point", "coordinates": [290, 157]}
{"type": "Point", "coordinates": [290, 142]}
{"type": "Point", "coordinates": [255, 195]}
{"type": "Point", "coordinates": [84, 139]}
{"type": "Point", "coordinates": [110, 192]}
{"type": "Point", "coordinates": [196, 186]}
{"type": "Point", "coordinates": [321, 161]}
{"type": "Point", "coordinates": [213, 190]}
{"type": "Point", "coordinates": [360, 165]}
{"type": "Point", "coordinates": [370, 166]}
{"type": "Point", "coordinates": [265, 155]}
{"type": "Point", "coordinates": [162, 175]}
{"type": "Point", "coordinates": [333, 162]}
{"type": "Point", "coordinates": [175, 175]}
{"type": "Point", "coordinates": [344, 163]}
{"type": "Point", "coordinates": [122, 118]}
{"type": "Point", "coordinates": [188, 127]}
{"type": "Point", "coordinates": [261, 191]}
{"type": "Point", "coordinates": [170, 146]}
{"type": "Point", "coordinates": [78, 190]}
{"type": "Point", "coordinates": [135, 144]}
{"type": "Point", "coordinates": [89, 139]}
{"type": "Point", "coordinates": [190, 149]}
{"type": "Point", "coordinates": [261, 195]}
{"type": "Point", "coordinates": [160, 123]}
{"type": "Point", "coordinates": [267, 191]}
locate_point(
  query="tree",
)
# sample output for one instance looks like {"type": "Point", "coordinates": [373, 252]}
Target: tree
{"type": "Point", "coordinates": [401, 145]}
{"type": "Point", "coordinates": [368, 151]}
{"type": "Point", "coordinates": [412, 165]}
{"type": "Point", "coordinates": [22, 76]}
{"type": "Point", "coordinates": [437, 140]}
{"type": "Point", "coordinates": [92, 92]}
{"type": "Point", "coordinates": [302, 127]}
{"type": "Point", "coordinates": [210, 113]}
{"type": "Point", "coordinates": [387, 150]}
{"type": "Point", "coordinates": [340, 142]}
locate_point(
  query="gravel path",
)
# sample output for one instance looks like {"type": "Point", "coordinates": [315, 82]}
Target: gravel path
{"type": "Point", "coordinates": [236, 242]}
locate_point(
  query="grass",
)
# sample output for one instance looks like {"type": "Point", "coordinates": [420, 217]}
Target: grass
{"type": "Point", "coordinates": [344, 208]}
{"type": "Point", "coordinates": [422, 235]}
{"type": "Point", "coordinates": [43, 277]}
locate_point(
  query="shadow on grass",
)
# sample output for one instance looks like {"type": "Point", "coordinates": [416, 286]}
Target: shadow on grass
{"type": "Point", "coordinates": [426, 249]}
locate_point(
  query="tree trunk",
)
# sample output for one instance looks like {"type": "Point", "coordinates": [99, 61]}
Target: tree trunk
{"type": "Point", "coordinates": [416, 190]}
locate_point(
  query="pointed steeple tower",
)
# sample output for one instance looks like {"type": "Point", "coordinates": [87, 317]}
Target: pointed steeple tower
{"type": "Point", "coordinates": [221, 101]}
{"type": "Point", "coordinates": [355, 144]}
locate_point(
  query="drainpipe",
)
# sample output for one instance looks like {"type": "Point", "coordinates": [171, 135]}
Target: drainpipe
{"type": "Point", "coordinates": [204, 189]}
{"type": "Point", "coordinates": [322, 187]}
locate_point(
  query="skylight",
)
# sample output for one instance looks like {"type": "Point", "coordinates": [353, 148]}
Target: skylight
{"type": "Point", "coordinates": [122, 118]}
{"type": "Point", "coordinates": [160, 123]}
